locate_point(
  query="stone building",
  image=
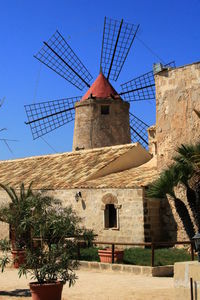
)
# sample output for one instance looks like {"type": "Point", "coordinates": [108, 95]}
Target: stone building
{"type": "Point", "coordinates": [177, 106]}
{"type": "Point", "coordinates": [106, 181]}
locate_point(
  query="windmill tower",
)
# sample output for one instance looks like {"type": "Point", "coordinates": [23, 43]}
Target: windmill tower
{"type": "Point", "coordinates": [102, 116]}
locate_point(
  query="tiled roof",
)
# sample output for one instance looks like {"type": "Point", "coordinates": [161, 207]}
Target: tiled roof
{"type": "Point", "coordinates": [61, 171]}
{"type": "Point", "coordinates": [134, 177]}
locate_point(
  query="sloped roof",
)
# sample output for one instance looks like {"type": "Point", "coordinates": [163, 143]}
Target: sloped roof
{"type": "Point", "coordinates": [73, 169]}
{"type": "Point", "coordinates": [100, 88]}
{"type": "Point", "coordinates": [134, 177]}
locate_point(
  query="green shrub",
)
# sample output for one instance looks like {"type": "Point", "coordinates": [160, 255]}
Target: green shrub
{"type": "Point", "coordinates": [142, 256]}
{"type": "Point", "coordinates": [89, 254]}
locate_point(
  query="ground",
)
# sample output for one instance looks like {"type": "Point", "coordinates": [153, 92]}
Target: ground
{"type": "Point", "coordinates": [95, 285]}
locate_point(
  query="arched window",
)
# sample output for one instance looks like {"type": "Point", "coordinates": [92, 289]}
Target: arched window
{"type": "Point", "coordinates": [110, 216]}
{"type": "Point", "coordinates": [110, 207]}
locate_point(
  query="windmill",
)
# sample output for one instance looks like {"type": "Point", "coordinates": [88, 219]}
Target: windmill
{"type": "Point", "coordinates": [56, 54]}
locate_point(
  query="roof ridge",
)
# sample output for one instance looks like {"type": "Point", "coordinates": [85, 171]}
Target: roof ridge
{"type": "Point", "coordinates": [71, 153]}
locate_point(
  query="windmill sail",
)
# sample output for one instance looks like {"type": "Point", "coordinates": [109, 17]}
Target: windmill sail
{"type": "Point", "coordinates": [117, 40]}
{"type": "Point", "coordinates": [138, 130]}
{"type": "Point", "coordinates": [142, 87]}
{"type": "Point", "coordinates": [45, 117]}
{"type": "Point", "coordinates": [59, 56]}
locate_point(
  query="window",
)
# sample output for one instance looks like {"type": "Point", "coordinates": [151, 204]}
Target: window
{"type": "Point", "coordinates": [105, 109]}
{"type": "Point", "coordinates": [110, 216]}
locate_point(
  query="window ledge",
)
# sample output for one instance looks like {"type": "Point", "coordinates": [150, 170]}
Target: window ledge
{"type": "Point", "coordinates": [112, 228]}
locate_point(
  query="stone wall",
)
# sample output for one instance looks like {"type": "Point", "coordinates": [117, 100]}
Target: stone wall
{"type": "Point", "coordinates": [152, 220]}
{"type": "Point", "coordinates": [4, 228]}
{"type": "Point", "coordinates": [93, 129]}
{"type": "Point", "coordinates": [138, 218]}
{"type": "Point", "coordinates": [91, 208]}
{"type": "Point", "coordinates": [177, 98]}
{"type": "Point", "coordinates": [170, 222]}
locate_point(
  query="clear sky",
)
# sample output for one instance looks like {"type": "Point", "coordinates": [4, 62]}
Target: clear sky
{"type": "Point", "coordinates": [169, 28]}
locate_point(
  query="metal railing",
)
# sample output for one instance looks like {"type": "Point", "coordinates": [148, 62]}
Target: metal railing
{"type": "Point", "coordinates": [152, 245]}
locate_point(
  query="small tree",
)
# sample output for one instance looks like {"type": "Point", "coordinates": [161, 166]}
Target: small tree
{"type": "Point", "coordinates": [16, 213]}
{"type": "Point", "coordinates": [185, 170]}
{"type": "Point", "coordinates": [56, 230]}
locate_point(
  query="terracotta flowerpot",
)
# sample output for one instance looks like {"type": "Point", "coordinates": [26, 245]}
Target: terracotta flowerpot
{"type": "Point", "coordinates": [46, 291]}
{"type": "Point", "coordinates": [106, 255]}
{"type": "Point", "coordinates": [18, 257]}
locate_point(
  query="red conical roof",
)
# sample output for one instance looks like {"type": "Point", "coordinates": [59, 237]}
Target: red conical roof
{"type": "Point", "coordinates": [100, 88]}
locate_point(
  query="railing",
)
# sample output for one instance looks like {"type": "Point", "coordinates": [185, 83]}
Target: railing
{"type": "Point", "coordinates": [152, 245]}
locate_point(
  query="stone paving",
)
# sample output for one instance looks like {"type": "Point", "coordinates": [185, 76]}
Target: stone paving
{"type": "Point", "coordinates": [95, 285]}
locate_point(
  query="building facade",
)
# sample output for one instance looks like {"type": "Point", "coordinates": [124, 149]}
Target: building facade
{"type": "Point", "coordinates": [106, 181]}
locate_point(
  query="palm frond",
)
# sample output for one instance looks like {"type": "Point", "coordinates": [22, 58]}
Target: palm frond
{"type": "Point", "coordinates": [22, 191]}
{"type": "Point", "coordinates": [9, 191]}
{"type": "Point", "coordinates": [16, 199]}
{"type": "Point", "coordinates": [29, 190]}
{"type": "Point", "coordinates": [164, 184]}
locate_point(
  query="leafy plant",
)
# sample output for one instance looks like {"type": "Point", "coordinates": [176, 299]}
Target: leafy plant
{"type": "Point", "coordinates": [5, 248]}
{"type": "Point", "coordinates": [16, 214]}
{"type": "Point", "coordinates": [56, 230]}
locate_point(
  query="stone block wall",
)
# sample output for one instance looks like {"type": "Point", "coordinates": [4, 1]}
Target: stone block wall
{"type": "Point", "coordinates": [138, 218]}
{"type": "Point", "coordinates": [4, 228]}
{"type": "Point", "coordinates": [89, 207]}
{"type": "Point", "coordinates": [152, 220]}
{"type": "Point", "coordinates": [177, 98]}
{"type": "Point", "coordinates": [93, 129]}
{"type": "Point", "coordinates": [170, 223]}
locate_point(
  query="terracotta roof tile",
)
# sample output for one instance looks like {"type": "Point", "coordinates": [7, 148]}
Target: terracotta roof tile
{"type": "Point", "coordinates": [59, 171]}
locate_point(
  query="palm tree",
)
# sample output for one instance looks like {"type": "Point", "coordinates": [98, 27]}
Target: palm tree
{"type": "Point", "coordinates": [16, 213]}
{"type": "Point", "coordinates": [163, 186]}
{"type": "Point", "coordinates": [189, 175]}
{"type": "Point", "coordinates": [185, 170]}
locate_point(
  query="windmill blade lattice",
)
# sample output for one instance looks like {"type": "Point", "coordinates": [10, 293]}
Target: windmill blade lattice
{"type": "Point", "coordinates": [58, 56]}
{"type": "Point", "coordinates": [142, 87]}
{"type": "Point", "coordinates": [45, 117]}
{"type": "Point", "coordinates": [117, 40]}
{"type": "Point", "coordinates": [138, 130]}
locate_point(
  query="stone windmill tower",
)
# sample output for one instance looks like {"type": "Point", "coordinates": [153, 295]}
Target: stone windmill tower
{"type": "Point", "coordinates": [102, 116]}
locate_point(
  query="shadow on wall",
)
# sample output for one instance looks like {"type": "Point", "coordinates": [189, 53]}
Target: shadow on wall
{"type": "Point", "coordinates": [83, 204]}
{"type": "Point", "coordinates": [159, 222]}
{"type": "Point", "coordinates": [168, 223]}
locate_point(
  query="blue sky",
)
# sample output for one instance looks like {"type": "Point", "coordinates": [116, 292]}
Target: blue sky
{"type": "Point", "coordinates": [169, 28]}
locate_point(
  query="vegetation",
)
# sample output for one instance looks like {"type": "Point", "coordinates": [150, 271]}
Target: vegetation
{"type": "Point", "coordinates": [142, 256]}
{"type": "Point", "coordinates": [165, 256]}
{"type": "Point", "coordinates": [89, 254]}
{"type": "Point", "coordinates": [16, 214]}
{"type": "Point", "coordinates": [54, 233]}
{"type": "Point", "coordinates": [184, 170]}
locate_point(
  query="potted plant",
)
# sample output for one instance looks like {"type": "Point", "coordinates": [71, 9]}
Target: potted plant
{"type": "Point", "coordinates": [105, 255]}
{"type": "Point", "coordinates": [51, 264]}
{"type": "Point", "coordinates": [15, 213]}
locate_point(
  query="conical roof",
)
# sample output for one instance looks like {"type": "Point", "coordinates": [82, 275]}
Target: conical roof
{"type": "Point", "coordinates": [100, 88]}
